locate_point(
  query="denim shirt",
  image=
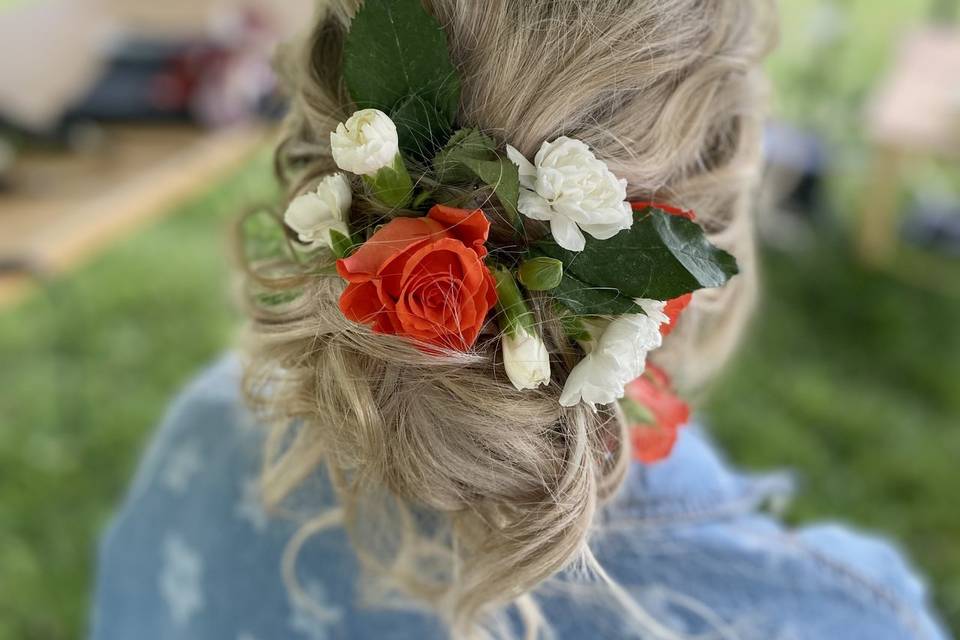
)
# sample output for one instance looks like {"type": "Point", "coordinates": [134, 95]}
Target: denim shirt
{"type": "Point", "coordinates": [191, 554]}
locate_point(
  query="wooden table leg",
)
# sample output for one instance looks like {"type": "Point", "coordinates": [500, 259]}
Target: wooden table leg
{"type": "Point", "coordinates": [877, 221]}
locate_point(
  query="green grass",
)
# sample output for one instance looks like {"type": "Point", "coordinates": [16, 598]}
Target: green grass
{"type": "Point", "coordinates": [853, 379]}
{"type": "Point", "coordinates": [88, 368]}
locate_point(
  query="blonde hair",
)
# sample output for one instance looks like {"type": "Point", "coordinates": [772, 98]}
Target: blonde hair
{"type": "Point", "coordinates": [667, 92]}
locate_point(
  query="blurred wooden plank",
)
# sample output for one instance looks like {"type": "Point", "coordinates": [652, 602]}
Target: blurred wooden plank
{"type": "Point", "coordinates": [916, 113]}
{"type": "Point", "coordinates": [70, 209]}
{"type": "Point", "coordinates": [877, 220]}
{"type": "Point", "coordinates": [194, 17]}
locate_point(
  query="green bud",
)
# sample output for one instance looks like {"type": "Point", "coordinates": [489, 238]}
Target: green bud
{"type": "Point", "coordinates": [541, 273]}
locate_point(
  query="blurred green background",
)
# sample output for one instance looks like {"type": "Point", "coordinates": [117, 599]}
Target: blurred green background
{"type": "Point", "coordinates": [848, 375]}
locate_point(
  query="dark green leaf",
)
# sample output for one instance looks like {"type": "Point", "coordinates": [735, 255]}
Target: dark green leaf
{"type": "Point", "coordinates": [659, 257]}
{"type": "Point", "coordinates": [590, 300]}
{"type": "Point", "coordinates": [396, 59]}
{"type": "Point", "coordinates": [419, 126]}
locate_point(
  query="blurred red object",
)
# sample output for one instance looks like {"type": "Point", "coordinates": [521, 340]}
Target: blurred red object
{"type": "Point", "coordinates": [673, 310]}
{"type": "Point", "coordinates": [655, 414]}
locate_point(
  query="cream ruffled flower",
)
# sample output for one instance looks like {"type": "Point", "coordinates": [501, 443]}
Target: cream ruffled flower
{"type": "Point", "coordinates": [569, 187]}
{"type": "Point", "coordinates": [617, 358]}
{"type": "Point", "coordinates": [313, 215]}
{"type": "Point", "coordinates": [526, 359]}
{"type": "Point", "coordinates": [365, 143]}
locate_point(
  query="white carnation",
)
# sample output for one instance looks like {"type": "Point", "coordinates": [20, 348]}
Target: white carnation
{"type": "Point", "coordinates": [313, 215]}
{"type": "Point", "coordinates": [569, 187]}
{"type": "Point", "coordinates": [365, 143]}
{"type": "Point", "coordinates": [617, 358]}
{"type": "Point", "coordinates": [654, 309]}
{"type": "Point", "coordinates": [526, 360]}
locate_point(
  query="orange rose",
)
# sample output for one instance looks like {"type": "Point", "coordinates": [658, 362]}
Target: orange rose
{"type": "Point", "coordinates": [423, 278]}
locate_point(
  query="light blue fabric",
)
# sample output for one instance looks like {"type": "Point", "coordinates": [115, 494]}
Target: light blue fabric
{"type": "Point", "coordinates": [192, 556]}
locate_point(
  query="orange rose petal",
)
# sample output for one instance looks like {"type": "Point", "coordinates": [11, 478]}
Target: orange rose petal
{"type": "Point", "coordinates": [423, 278]}
{"type": "Point", "coordinates": [471, 227]}
{"type": "Point", "coordinates": [392, 239]}
{"type": "Point", "coordinates": [360, 303]}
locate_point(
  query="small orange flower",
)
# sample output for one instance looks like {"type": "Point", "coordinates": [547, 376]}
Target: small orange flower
{"type": "Point", "coordinates": [423, 278]}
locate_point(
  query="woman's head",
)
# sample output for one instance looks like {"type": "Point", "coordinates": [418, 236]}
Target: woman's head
{"type": "Point", "coordinates": [666, 93]}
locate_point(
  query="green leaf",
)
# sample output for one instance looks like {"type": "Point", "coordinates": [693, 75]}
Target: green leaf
{"type": "Point", "coordinates": [396, 59]}
{"type": "Point", "coordinates": [572, 325]}
{"type": "Point", "coordinates": [660, 257]}
{"type": "Point", "coordinates": [465, 143]}
{"type": "Point", "coordinates": [419, 126]}
{"type": "Point", "coordinates": [471, 155]}
{"type": "Point", "coordinates": [341, 245]}
{"type": "Point", "coordinates": [590, 300]}
{"type": "Point", "coordinates": [503, 176]}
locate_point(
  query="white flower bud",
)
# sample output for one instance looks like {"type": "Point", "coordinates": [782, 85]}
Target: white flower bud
{"type": "Point", "coordinates": [526, 360]}
{"type": "Point", "coordinates": [366, 143]}
{"type": "Point", "coordinates": [569, 187]}
{"type": "Point", "coordinates": [313, 215]}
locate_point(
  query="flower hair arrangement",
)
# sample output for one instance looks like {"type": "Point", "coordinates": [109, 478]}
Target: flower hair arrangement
{"type": "Point", "coordinates": [427, 268]}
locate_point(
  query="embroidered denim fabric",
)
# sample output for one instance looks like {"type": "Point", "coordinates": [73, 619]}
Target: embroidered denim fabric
{"type": "Point", "coordinates": [191, 555]}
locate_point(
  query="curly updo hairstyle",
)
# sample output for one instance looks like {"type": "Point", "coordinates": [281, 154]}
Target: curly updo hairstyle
{"type": "Point", "coordinates": [668, 93]}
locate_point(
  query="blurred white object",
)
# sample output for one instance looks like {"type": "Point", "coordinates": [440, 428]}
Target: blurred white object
{"type": "Point", "coordinates": [50, 57]}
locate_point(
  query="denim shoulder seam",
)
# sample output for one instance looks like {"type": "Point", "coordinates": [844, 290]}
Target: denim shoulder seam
{"type": "Point", "coordinates": [869, 587]}
{"type": "Point", "coordinates": [752, 493]}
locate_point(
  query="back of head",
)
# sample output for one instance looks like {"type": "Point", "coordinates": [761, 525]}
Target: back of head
{"type": "Point", "coordinates": [667, 93]}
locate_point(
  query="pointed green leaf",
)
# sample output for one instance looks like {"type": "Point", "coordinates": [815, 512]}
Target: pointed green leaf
{"type": "Point", "coordinates": [471, 155]}
{"type": "Point", "coordinates": [659, 257]}
{"type": "Point", "coordinates": [394, 51]}
{"type": "Point", "coordinates": [503, 176]}
{"type": "Point", "coordinates": [341, 245]}
{"type": "Point", "coordinates": [465, 143]}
